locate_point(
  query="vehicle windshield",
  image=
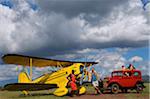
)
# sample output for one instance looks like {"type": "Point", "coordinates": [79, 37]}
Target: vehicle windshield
{"type": "Point", "coordinates": [117, 74]}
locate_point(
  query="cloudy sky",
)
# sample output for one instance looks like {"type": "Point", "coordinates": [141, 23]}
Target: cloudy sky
{"type": "Point", "coordinates": [112, 32]}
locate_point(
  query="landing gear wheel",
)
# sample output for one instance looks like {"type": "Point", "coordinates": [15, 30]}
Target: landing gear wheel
{"type": "Point", "coordinates": [25, 93]}
{"type": "Point", "coordinates": [114, 88]}
{"type": "Point", "coordinates": [139, 88]}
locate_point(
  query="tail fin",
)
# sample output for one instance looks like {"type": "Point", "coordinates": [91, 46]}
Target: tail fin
{"type": "Point", "coordinates": [23, 78]}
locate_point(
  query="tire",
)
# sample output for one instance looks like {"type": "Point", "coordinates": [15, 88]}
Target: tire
{"type": "Point", "coordinates": [139, 87]}
{"type": "Point", "coordinates": [114, 88]}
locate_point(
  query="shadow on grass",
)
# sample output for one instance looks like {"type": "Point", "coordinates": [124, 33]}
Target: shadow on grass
{"type": "Point", "coordinates": [35, 94]}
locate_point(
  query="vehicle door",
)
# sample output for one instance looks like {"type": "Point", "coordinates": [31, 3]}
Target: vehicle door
{"type": "Point", "coordinates": [136, 77]}
{"type": "Point", "coordinates": [126, 80]}
{"type": "Point", "coordinates": [117, 77]}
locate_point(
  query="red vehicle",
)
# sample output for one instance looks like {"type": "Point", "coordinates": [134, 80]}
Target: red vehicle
{"type": "Point", "coordinates": [124, 80]}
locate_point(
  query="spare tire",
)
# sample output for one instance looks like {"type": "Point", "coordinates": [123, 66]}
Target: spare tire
{"type": "Point", "coordinates": [139, 87]}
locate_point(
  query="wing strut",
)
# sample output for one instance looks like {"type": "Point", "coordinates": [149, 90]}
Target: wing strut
{"type": "Point", "coordinates": [31, 68]}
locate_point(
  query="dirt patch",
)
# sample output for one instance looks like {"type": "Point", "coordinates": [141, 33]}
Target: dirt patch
{"type": "Point", "coordinates": [112, 96]}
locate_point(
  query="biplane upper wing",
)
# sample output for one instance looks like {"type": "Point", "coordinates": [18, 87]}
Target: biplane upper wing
{"type": "Point", "coordinates": [37, 61]}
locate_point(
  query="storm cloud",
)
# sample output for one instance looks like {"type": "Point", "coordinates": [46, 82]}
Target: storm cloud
{"type": "Point", "coordinates": [66, 26]}
{"type": "Point", "coordinates": [81, 30]}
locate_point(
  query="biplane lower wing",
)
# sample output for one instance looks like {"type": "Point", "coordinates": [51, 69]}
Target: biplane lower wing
{"type": "Point", "coordinates": [28, 86]}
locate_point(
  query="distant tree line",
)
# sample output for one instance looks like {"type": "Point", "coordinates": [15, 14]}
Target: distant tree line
{"type": "Point", "coordinates": [146, 78]}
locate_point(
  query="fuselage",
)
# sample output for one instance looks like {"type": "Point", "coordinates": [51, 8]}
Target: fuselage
{"type": "Point", "coordinates": [59, 77]}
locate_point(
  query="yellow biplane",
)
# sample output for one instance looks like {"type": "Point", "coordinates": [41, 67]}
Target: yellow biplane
{"type": "Point", "coordinates": [56, 79]}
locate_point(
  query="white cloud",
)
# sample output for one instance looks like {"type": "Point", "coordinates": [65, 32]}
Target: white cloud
{"type": "Point", "coordinates": [136, 59]}
{"type": "Point", "coordinates": [87, 50]}
{"type": "Point", "coordinates": [9, 72]}
{"type": "Point", "coordinates": [124, 23]}
{"type": "Point", "coordinates": [144, 67]}
{"type": "Point", "coordinates": [23, 28]}
{"type": "Point", "coordinates": [111, 60]}
{"type": "Point", "coordinates": [16, 29]}
{"type": "Point", "coordinates": [108, 62]}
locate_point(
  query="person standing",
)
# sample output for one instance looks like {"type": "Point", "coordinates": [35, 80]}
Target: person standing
{"type": "Point", "coordinates": [94, 80]}
{"type": "Point", "coordinates": [84, 77]}
{"type": "Point", "coordinates": [72, 83]}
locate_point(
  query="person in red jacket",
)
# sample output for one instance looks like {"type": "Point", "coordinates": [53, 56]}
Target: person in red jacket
{"type": "Point", "coordinates": [72, 83]}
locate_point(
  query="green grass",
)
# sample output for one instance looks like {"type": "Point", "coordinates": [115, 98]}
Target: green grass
{"type": "Point", "coordinates": [47, 94]}
{"type": "Point", "coordinates": [144, 94]}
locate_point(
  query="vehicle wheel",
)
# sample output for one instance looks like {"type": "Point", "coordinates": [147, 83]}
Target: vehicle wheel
{"type": "Point", "coordinates": [114, 88]}
{"type": "Point", "coordinates": [139, 88]}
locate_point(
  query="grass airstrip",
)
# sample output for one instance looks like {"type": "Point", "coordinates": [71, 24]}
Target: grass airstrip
{"type": "Point", "coordinates": [47, 94]}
